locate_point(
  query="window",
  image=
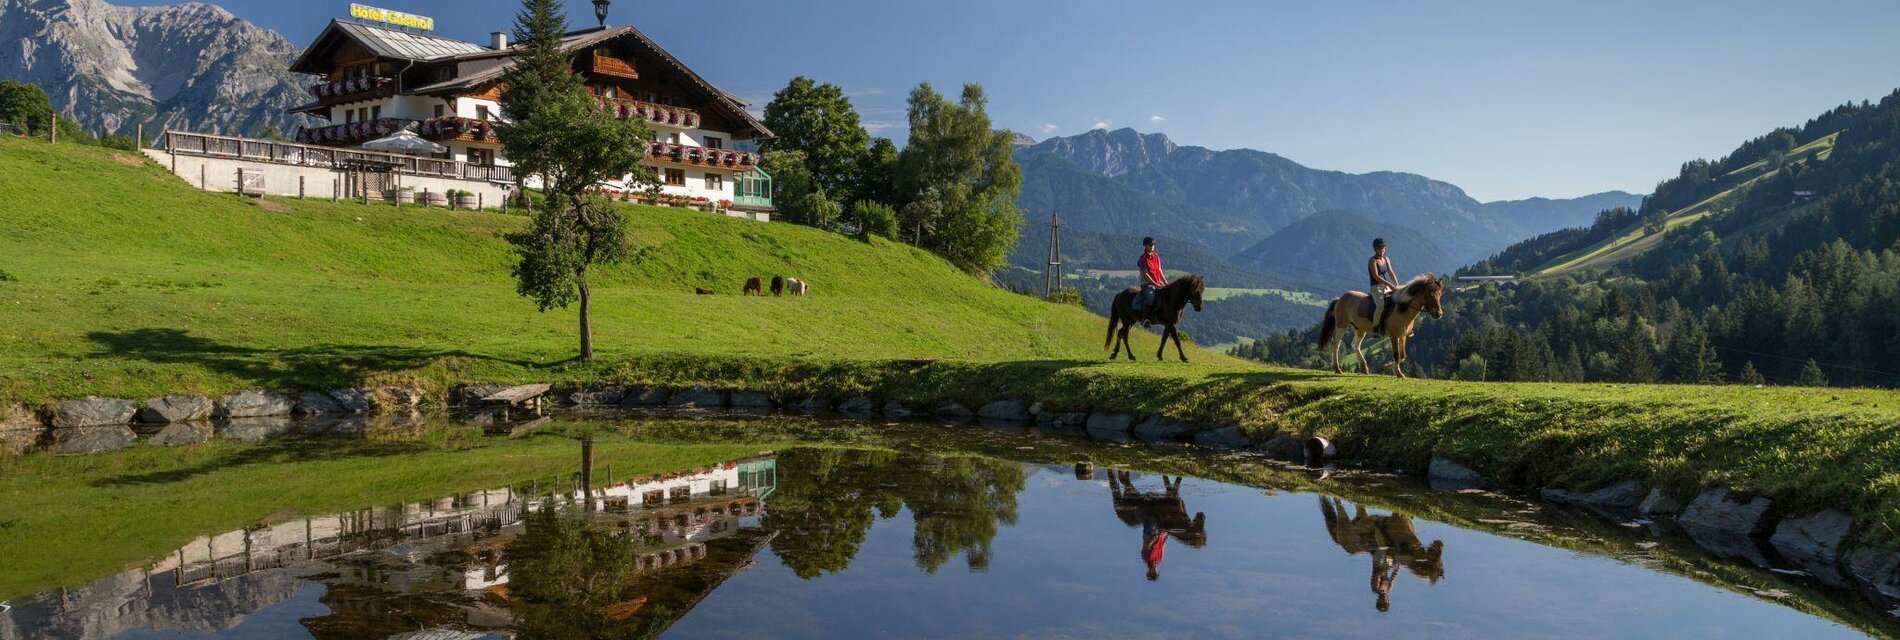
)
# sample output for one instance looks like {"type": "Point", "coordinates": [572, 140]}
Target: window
{"type": "Point", "coordinates": [610, 91]}
{"type": "Point", "coordinates": [715, 182]}
{"type": "Point", "coordinates": [718, 487]}
{"type": "Point", "coordinates": [680, 494]}
{"type": "Point", "coordinates": [438, 111]}
{"type": "Point", "coordinates": [362, 114]}
{"type": "Point", "coordinates": [482, 113]}
{"type": "Point", "coordinates": [483, 157]}
{"type": "Point", "coordinates": [376, 112]}
{"type": "Point", "coordinates": [673, 137]}
{"type": "Point", "coordinates": [715, 143]}
{"type": "Point", "coordinates": [676, 177]}
{"type": "Point", "coordinates": [349, 116]}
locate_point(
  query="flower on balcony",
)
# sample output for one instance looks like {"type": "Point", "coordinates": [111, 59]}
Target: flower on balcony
{"type": "Point", "coordinates": [725, 204]}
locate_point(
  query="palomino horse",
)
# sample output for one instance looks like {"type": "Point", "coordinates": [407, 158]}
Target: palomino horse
{"type": "Point", "coordinates": [1423, 294]}
{"type": "Point", "coordinates": [1166, 308]}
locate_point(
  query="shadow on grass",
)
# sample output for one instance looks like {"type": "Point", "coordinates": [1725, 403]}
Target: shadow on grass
{"type": "Point", "coordinates": [314, 366]}
{"type": "Point", "coordinates": [289, 449]}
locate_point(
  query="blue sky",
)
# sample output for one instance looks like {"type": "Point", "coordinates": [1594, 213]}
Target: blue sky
{"type": "Point", "coordinates": [1507, 99]}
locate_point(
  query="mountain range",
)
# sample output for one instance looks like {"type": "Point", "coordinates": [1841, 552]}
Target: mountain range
{"type": "Point", "coordinates": [1230, 203]}
{"type": "Point", "coordinates": [187, 66]}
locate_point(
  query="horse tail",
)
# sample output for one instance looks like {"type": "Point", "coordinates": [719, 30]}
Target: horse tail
{"type": "Point", "coordinates": [1328, 325]}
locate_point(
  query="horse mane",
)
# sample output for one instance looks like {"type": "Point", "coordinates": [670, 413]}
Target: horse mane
{"type": "Point", "coordinates": [1413, 286]}
{"type": "Point", "coordinates": [1192, 280]}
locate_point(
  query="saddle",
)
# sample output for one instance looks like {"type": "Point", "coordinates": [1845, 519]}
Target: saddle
{"type": "Point", "coordinates": [1378, 310]}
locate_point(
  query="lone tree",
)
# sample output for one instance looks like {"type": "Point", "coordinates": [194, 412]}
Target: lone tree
{"type": "Point", "coordinates": [26, 105]}
{"type": "Point", "coordinates": [557, 133]}
{"type": "Point", "coordinates": [818, 120]}
{"type": "Point", "coordinates": [957, 180]}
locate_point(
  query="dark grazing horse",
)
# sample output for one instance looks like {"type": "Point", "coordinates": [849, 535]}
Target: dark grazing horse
{"type": "Point", "coordinates": [1167, 308]}
{"type": "Point", "coordinates": [778, 285]}
{"type": "Point", "coordinates": [754, 285]}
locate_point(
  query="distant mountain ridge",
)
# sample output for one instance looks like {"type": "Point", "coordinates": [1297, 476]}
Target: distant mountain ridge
{"type": "Point", "coordinates": [1542, 215]}
{"type": "Point", "coordinates": [1333, 246]}
{"type": "Point", "coordinates": [187, 66]}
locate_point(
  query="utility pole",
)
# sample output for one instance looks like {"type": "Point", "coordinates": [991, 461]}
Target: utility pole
{"type": "Point", "coordinates": [1054, 268]}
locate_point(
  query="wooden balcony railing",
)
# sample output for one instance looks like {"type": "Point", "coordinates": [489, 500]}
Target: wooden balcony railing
{"type": "Point", "coordinates": [347, 88]}
{"type": "Point", "coordinates": [655, 113]}
{"type": "Point", "coordinates": [199, 144]}
{"type": "Point", "coordinates": [701, 156]}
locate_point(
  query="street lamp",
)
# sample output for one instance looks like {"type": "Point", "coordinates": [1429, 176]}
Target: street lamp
{"type": "Point", "coordinates": [600, 11]}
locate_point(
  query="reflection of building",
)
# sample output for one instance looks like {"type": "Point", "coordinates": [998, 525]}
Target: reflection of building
{"type": "Point", "coordinates": [1391, 541]}
{"type": "Point", "coordinates": [386, 569]}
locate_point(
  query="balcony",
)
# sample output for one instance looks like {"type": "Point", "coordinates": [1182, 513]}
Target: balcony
{"type": "Point", "coordinates": [350, 89]}
{"type": "Point", "coordinates": [701, 156]}
{"type": "Point", "coordinates": [681, 117]}
{"type": "Point", "coordinates": [608, 66]}
{"type": "Point", "coordinates": [438, 129]}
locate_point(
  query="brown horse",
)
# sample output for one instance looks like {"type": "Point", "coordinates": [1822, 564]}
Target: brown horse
{"type": "Point", "coordinates": [1167, 309]}
{"type": "Point", "coordinates": [1355, 309]}
{"type": "Point", "coordinates": [753, 285]}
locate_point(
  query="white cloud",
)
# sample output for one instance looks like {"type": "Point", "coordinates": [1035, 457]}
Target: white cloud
{"type": "Point", "coordinates": [1157, 118]}
{"type": "Point", "coordinates": [1103, 124]}
{"type": "Point", "coordinates": [875, 127]}
{"type": "Point", "coordinates": [1049, 128]}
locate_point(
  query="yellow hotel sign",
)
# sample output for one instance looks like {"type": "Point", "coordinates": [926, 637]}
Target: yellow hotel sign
{"type": "Point", "coordinates": [398, 18]}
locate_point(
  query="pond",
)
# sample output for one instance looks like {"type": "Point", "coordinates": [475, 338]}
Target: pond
{"type": "Point", "coordinates": [934, 531]}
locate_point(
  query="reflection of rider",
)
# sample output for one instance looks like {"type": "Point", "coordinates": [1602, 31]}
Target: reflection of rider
{"type": "Point", "coordinates": [1148, 269]}
{"type": "Point", "coordinates": [1390, 539]}
{"type": "Point", "coordinates": [1161, 516]}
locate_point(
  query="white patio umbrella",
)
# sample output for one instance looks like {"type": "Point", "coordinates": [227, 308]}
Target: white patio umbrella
{"type": "Point", "coordinates": [404, 141]}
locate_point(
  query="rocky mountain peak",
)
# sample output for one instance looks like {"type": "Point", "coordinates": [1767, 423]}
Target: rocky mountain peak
{"type": "Point", "coordinates": [188, 66]}
{"type": "Point", "coordinates": [1111, 153]}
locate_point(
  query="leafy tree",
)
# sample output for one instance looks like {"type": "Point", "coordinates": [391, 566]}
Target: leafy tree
{"type": "Point", "coordinates": [818, 120]}
{"type": "Point", "coordinates": [559, 134]}
{"type": "Point", "coordinates": [877, 173]}
{"type": "Point", "coordinates": [1750, 376]}
{"type": "Point", "coordinates": [122, 143]}
{"type": "Point", "coordinates": [1811, 375]}
{"type": "Point", "coordinates": [27, 105]}
{"type": "Point", "coordinates": [73, 132]}
{"type": "Point", "coordinates": [875, 219]}
{"type": "Point", "coordinates": [815, 209]}
{"type": "Point", "coordinates": [792, 185]}
{"type": "Point", "coordinates": [1471, 368]}
{"type": "Point", "coordinates": [958, 181]}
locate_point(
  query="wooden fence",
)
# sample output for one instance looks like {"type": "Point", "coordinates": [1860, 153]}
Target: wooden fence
{"type": "Point", "coordinates": [199, 144]}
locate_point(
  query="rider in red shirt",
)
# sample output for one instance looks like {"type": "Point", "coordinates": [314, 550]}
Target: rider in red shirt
{"type": "Point", "coordinates": [1149, 268]}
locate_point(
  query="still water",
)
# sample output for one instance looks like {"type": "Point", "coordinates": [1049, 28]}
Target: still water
{"type": "Point", "coordinates": [938, 532]}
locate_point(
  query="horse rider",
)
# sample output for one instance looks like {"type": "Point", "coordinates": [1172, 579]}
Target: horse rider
{"type": "Point", "coordinates": [1385, 282]}
{"type": "Point", "coordinates": [1148, 268]}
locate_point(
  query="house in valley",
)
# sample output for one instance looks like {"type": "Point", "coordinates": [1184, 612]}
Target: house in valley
{"type": "Point", "coordinates": [373, 80]}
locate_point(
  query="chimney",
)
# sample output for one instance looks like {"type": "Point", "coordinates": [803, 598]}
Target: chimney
{"type": "Point", "coordinates": [498, 40]}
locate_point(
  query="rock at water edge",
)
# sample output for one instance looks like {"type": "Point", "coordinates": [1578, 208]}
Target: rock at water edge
{"type": "Point", "coordinates": [1005, 411]}
{"type": "Point", "coordinates": [93, 439]}
{"type": "Point", "coordinates": [1659, 503]}
{"type": "Point", "coordinates": [352, 400]}
{"type": "Point", "coordinates": [1163, 429]}
{"type": "Point", "coordinates": [1622, 497]}
{"type": "Point", "coordinates": [750, 400]}
{"type": "Point", "coordinates": [176, 409]}
{"type": "Point", "coordinates": [1445, 475]}
{"type": "Point", "coordinates": [254, 404]}
{"type": "Point", "coordinates": [312, 403]}
{"type": "Point", "coordinates": [699, 397]}
{"type": "Point", "coordinates": [598, 396]}
{"type": "Point", "coordinates": [1230, 437]}
{"type": "Point", "coordinates": [896, 409]}
{"type": "Point", "coordinates": [1814, 543]}
{"type": "Point", "coordinates": [645, 397]}
{"type": "Point", "coordinates": [93, 411]}
{"type": "Point", "coordinates": [182, 433]}
{"type": "Point", "coordinates": [1070, 423]}
{"type": "Point", "coordinates": [858, 406]}
{"type": "Point", "coordinates": [1110, 426]}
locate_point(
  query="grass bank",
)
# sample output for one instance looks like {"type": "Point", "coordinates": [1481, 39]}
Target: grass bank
{"type": "Point", "coordinates": [128, 282]}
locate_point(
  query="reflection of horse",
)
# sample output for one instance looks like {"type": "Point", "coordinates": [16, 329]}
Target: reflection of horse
{"type": "Point", "coordinates": [1356, 309]}
{"type": "Point", "coordinates": [1390, 539]}
{"type": "Point", "coordinates": [1166, 308]}
{"type": "Point", "coordinates": [1160, 515]}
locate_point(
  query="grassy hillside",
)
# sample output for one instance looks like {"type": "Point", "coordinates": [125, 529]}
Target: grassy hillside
{"type": "Point", "coordinates": [126, 281]}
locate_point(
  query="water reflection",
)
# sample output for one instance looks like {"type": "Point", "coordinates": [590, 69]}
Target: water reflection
{"type": "Point", "coordinates": [1161, 515]}
{"type": "Point", "coordinates": [1390, 540]}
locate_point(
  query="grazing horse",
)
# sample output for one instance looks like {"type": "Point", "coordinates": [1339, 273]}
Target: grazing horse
{"type": "Point", "coordinates": [778, 285]}
{"type": "Point", "coordinates": [1355, 309]}
{"type": "Point", "coordinates": [702, 291]}
{"type": "Point", "coordinates": [795, 286]}
{"type": "Point", "coordinates": [1167, 309]}
{"type": "Point", "coordinates": [754, 285]}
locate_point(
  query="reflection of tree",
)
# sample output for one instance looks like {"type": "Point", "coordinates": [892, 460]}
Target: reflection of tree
{"type": "Point", "coordinates": [561, 560]}
{"type": "Point", "coordinates": [825, 501]}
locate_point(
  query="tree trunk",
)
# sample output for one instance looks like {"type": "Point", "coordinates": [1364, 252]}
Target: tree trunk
{"type": "Point", "coordinates": [587, 329]}
{"type": "Point", "coordinates": [587, 472]}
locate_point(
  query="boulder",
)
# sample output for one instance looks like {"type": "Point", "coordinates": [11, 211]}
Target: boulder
{"type": "Point", "coordinates": [1877, 572]}
{"type": "Point", "coordinates": [953, 411]}
{"type": "Point", "coordinates": [1069, 423]}
{"type": "Point", "coordinates": [1715, 512]}
{"type": "Point", "coordinates": [1005, 411]}
{"type": "Point", "coordinates": [645, 397]}
{"type": "Point", "coordinates": [750, 400]}
{"type": "Point", "coordinates": [896, 409]}
{"type": "Point", "coordinates": [93, 411]}
{"type": "Point", "coordinates": [166, 409]}
{"type": "Point", "coordinates": [858, 406]}
{"type": "Point", "coordinates": [254, 404]}
{"type": "Point", "coordinates": [471, 395]}
{"type": "Point", "coordinates": [1619, 498]}
{"type": "Point", "coordinates": [19, 417]}
{"type": "Point", "coordinates": [256, 429]}
{"type": "Point", "coordinates": [1659, 503]}
{"type": "Point", "coordinates": [699, 397]}
{"type": "Point", "coordinates": [1446, 475]}
{"type": "Point", "coordinates": [1287, 447]}
{"type": "Point", "coordinates": [356, 400]}
{"type": "Point", "coordinates": [182, 433]}
{"type": "Point", "coordinates": [597, 396]}
{"type": "Point", "coordinates": [1230, 437]}
{"type": "Point", "coordinates": [1163, 429]}
{"type": "Point", "coordinates": [1110, 426]}
{"type": "Point", "coordinates": [312, 403]}
{"type": "Point", "coordinates": [1814, 543]}
{"type": "Point", "coordinates": [93, 439]}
